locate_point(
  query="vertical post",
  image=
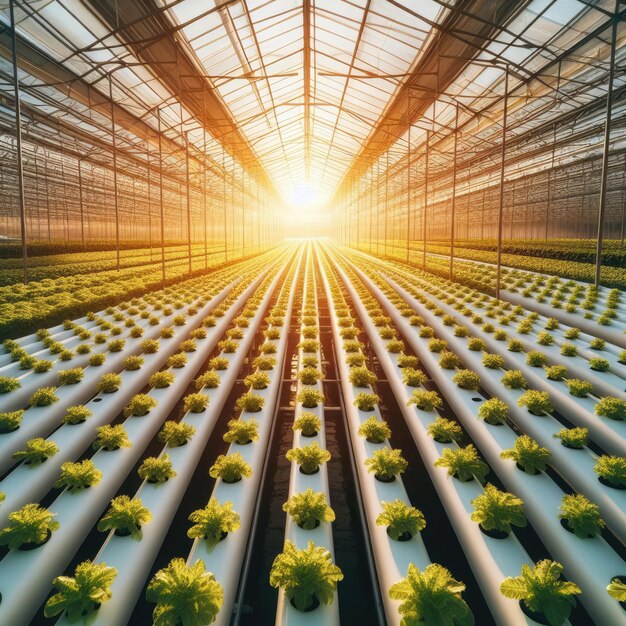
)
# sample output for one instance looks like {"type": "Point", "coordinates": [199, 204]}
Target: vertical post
{"type": "Point", "coordinates": [161, 201]}
{"type": "Point", "coordinates": [148, 170]}
{"type": "Point", "coordinates": [386, 198]}
{"type": "Point", "coordinates": [18, 141]}
{"type": "Point", "coordinates": [80, 200]}
{"type": "Point", "coordinates": [225, 211]}
{"type": "Point", "coordinates": [188, 184]}
{"type": "Point", "coordinates": [408, 179]}
{"type": "Point", "coordinates": [204, 202]}
{"type": "Point", "coordinates": [454, 164]}
{"type": "Point", "coordinates": [501, 199]}
{"type": "Point", "coordinates": [425, 209]}
{"type": "Point", "coordinates": [115, 199]}
{"type": "Point", "coordinates": [607, 141]}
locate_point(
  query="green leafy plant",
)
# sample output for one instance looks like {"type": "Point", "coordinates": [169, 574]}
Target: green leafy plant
{"type": "Point", "coordinates": [579, 388]}
{"type": "Point", "coordinates": [445, 431]}
{"type": "Point", "coordinates": [425, 400]}
{"type": "Point", "coordinates": [257, 380]}
{"type": "Point", "coordinates": [177, 360]}
{"type": "Point", "coordinates": [569, 349]}
{"type": "Point", "coordinates": [184, 594]}
{"type": "Point", "coordinates": [29, 526]}
{"type": "Point", "coordinates": [493, 361]}
{"type": "Point", "coordinates": [160, 380]}
{"type": "Point", "coordinates": [611, 470]}
{"type": "Point", "coordinates": [463, 463]}
{"type": "Point", "coordinates": [109, 383]}
{"type": "Point", "coordinates": [242, 431]}
{"type": "Point", "coordinates": [448, 360]}
{"type": "Point", "coordinates": [366, 401]}
{"type": "Point", "coordinates": [437, 345]}
{"type": "Point", "coordinates": [44, 396]}
{"type": "Point", "coordinates": [213, 522]}
{"type": "Point", "coordinates": [375, 430]}
{"type": "Point", "coordinates": [610, 407]}
{"type": "Point", "coordinates": [308, 424]}
{"type": "Point", "coordinates": [82, 594]}
{"type": "Point", "coordinates": [494, 411]}
{"type": "Point", "coordinates": [71, 376]}
{"type": "Point", "coordinates": [309, 509]}
{"type": "Point", "coordinates": [542, 591]}
{"type": "Point", "coordinates": [310, 398]}
{"type": "Point", "coordinates": [309, 345]}
{"type": "Point", "coordinates": [208, 380]}
{"type": "Point", "coordinates": [195, 402]}
{"type": "Point", "coordinates": [309, 458]}
{"type": "Point", "coordinates": [310, 375]}
{"type": "Point", "coordinates": [466, 379]}
{"type": "Point", "coordinates": [360, 376]}
{"type": "Point", "coordinates": [514, 379]}
{"type": "Point", "coordinates": [156, 470]}
{"type": "Point", "coordinates": [219, 363]}
{"type": "Point", "coordinates": [534, 358]}
{"type": "Point", "coordinates": [125, 517]}
{"type": "Point", "coordinates": [78, 476]}
{"type": "Point", "coordinates": [250, 402]}
{"type": "Point", "coordinates": [497, 510]}
{"type": "Point", "coordinates": [76, 415]}
{"type": "Point", "coordinates": [264, 363]}
{"type": "Point", "coordinates": [174, 434]}
{"type": "Point", "coordinates": [386, 463]}
{"type": "Point", "coordinates": [402, 521]}
{"type": "Point", "coordinates": [431, 598]}
{"type": "Point", "coordinates": [598, 364]}
{"type": "Point", "coordinates": [581, 515]}
{"type": "Point", "coordinates": [556, 372]}
{"type": "Point", "coordinates": [10, 421]}
{"type": "Point", "coordinates": [413, 377]}
{"type": "Point", "coordinates": [111, 437]}
{"type": "Point", "coordinates": [231, 468]}
{"type": "Point", "coordinates": [133, 362]}
{"type": "Point", "coordinates": [307, 576]}
{"type": "Point", "coordinates": [515, 345]}
{"type": "Point", "coordinates": [96, 360]}
{"type": "Point", "coordinates": [309, 361]}
{"type": "Point", "coordinates": [617, 589]}
{"type": "Point", "coordinates": [140, 405]}
{"type": "Point", "coordinates": [36, 451]}
{"type": "Point", "coordinates": [395, 346]}
{"type": "Point", "coordinates": [528, 454]}
{"type": "Point", "coordinates": [405, 360]}
{"type": "Point", "coordinates": [537, 402]}
{"type": "Point", "coordinates": [575, 438]}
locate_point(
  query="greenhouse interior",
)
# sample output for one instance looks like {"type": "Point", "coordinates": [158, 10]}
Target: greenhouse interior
{"type": "Point", "coordinates": [313, 312]}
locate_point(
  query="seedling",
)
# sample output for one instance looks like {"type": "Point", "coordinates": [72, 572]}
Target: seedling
{"type": "Point", "coordinates": [213, 523]}
{"type": "Point", "coordinates": [403, 522]}
{"type": "Point", "coordinates": [463, 463]}
{"type": "Point", "coordinates": [309, 509]}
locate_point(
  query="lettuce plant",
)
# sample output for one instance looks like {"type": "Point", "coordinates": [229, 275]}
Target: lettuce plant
{"type": "Point", "coordinates": [386, 463]}
{"type": "Point", "coordinates": [476, 344]}
{"type": "Point", "coordinates": [28, 527]}
{"type": "Point", "coordinates": [189, 345]}
{"type": "Point", "coordinates": [569, 349]}
{"type": "Point", "coordinates": [78, 476]}
{"type": "Point", "coordinates": [437, 345]}
{"type": "Point", "coordinates": [156, 470]}
{"type": "Point", "coordinates": [310, 375]}
{"type": "Point", "coordinates": [360, 376]}
{"type": "Point", "coordinates": [406, 360]}
{"type": "Point", "coordinates": [177, 360]}
{"type": "Point", "coordinates": [231, 468]}
{"type": "Point", "coordinates": [208, 380]}
{"type": "Point", "coordinates": [353, 346]}
{"type": "Point", "coordinates": [448, 360]}
{"type": "Point", "coordinates": [174, 434]}
{"type": "Point", "coordinates": [514, 379]}
{"type": "Point", "coordinates": [308, 424]}
{"type": "Point", "coordinates": [497, 510]}
{"type": "Point", "coordinates": [44, 396]}
{"type": "Point", "coordinates": [36, 451]}
{"type": "Point", "coordinates": [413, 377]}
{"type": "Point", "coordinates": [71, 376]}
{"type": "Point", "coordinates": [309, 509]}
{"type": "Point", "coordinates": [250, 402]}
{"type": "Point", "coordinates": [195, 402]}
{"type": "Point", "coordinates": [402, 520]}
{"type": "Point", "coordinates": [41, 366]}
{"type": "Point", "coordinates": [160, 380]}
{"type": "Point", "coordinates": [309, 458]}
{"type": "Point", "coordinates": [95, 360]}
{"type": "Point", "coordinates": [493, 361]}
{"type": "Point", "coordinates": [264, 363]}
{"type": "Point", "coordinates": [111, 438]}
{"type": "Point", "coordinates": [150, 346]}
{"type": "Point", "coordinates": [425, 400]}
{"type": "Point", "coordinates": [445, 431]}
{"type": "Point", "coordinates": [617, 589]}
{"type": "Point", "coordinates": [309, 361]}
{"type": "Point", "coordinates": [463, 463]}
{"type": "Point", "coordinates": [125, 517]}
{"type": "Point", "coordinates": [431, 597]}
{"type": "Point", "coordinates": [82, 594]}
{"type": "Point", "coordinates": [528, 454]}
{"type": "Point", "coordinates": [581, 516]}
{"type": "Point", "coordinates": [579, 388]}
{"type": "Point", "coordinates": [242, 431]}
{"type": "Point", "coordinates": [395, 346]}
{"type": "Point", "coordinates": [537, 402]}
{"type": "Point", "coordinates": [556, 372]}
{"type": "Point", "coordinates": [366, 401]}
{"type": "Point", "coordinates": [610, 407]}
{"type": "Point", "coordinates": [598, 364]}
{"type": "Point", "coordinates": [184, 594]}
{"type": "Point", "coordinates": [109, 383]}
{"type": "Point", "coordinates": [10, 421]}
{"type": "Point", "coordinates": [575, 438]}
{"type": "Point", "coordinates": [212, 523]}
{"type": "Point", "coordinates": [116, 345]}
{"type": "Point", "coordinates": [308, 577]}
{"type": "Point", "coordinates": [534, 358]}
{"type": "Point", "coordinates": [310, 398]}
{"type": "Point", "coordinates": [542, 591]}
{"type": "Point", "coordinates": [219, 363]}
{"type": "Point", "coordinates": [140, 405]}
{"type": "Point", "coordinates": [515, 345]}
{"type": "Point", "coordinates": [494, 411]}
{"type": "Point", "coordinates": [612, 471]}
{"type": "Point", "coordinates": [466, 379]}
{"type": "Point", "coordinates": [375, 430]}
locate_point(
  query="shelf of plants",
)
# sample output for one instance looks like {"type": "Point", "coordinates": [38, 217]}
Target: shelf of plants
{"type": "Point", "coordinates": [516, 408]}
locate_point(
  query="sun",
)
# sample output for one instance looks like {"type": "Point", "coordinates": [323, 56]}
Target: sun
{"type": "Point", "coordinates": [304, 195]}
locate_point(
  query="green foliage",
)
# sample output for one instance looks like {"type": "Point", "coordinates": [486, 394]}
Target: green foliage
{"type": "Point", "coordinates": [109, 383]}
{"type": "Point", "coordinates": [542, 591]}
{"type": "Point", "coordinates": [111, 437]}
{"type": "Point", "coordinates": [445, 431]}
{"type": "Point", "coordinates": [78, 476]}
{"type": "Point", "coordinates": [556, 372]}
{"type": "Point", "coordinates": [10, 421]}
{"type": "Point", "coordinates": [514, 379]}
{"type": "Point", "coordinates": [582, 515]}
{"type": "Point", "coordinates": [44, 396]}
{"type": "Point", "coordinates": [250, 402]}
{"type": "Point", "coordinates": [579, 388]}
{"type": "Point", "coordinates": [463, 463]}
{"type": "Point", "coordinates": [386, 463]}
{"type": "Point", "coordinates": [308, 423]}
{"type": "Point", "coordinates": [208, 380]}
{"type": "Point", "coordinates": [219, 363]}
{"type": "Point", "coordinates": [467, 379]}
{"type": "Point", "coordinates": [305, 575]}
{"type": "Point", "coordinates": [310, 375]}
{"type": "Point", "coordinates": [231, 468]}
{"type": "Point", "coordinates": [395, 346]}
{"type": "Point", "coordinates": [537, 402]}
{"type": "Point", "coordinates": [515, 346]}
{"type": "Point", "coordinates": [71, 376]}
{"type": "Point", "coordinates": [431, 598]}
{"type": "Point", "coordinates": [375, 430]}
{"type": "Point", "coordinates": [211, 522]}
{"type": "Point", "coordinates": [174, 434]}
{"type": "Point", "coordinates": [405, 360]}
{"type": "Point", "coordinates": [366, 401]}
{"type": "Point", "coordinates": [598, 364]}
{"type": "Point", "coordinates": [401, 519]}
{"type": "Point", "coordinates": [309, 345]}
{"type": "Point", "coordinates": [498, 510]}
{"type": "Point", "coordinates": [494, 411]}
{"type": "Point", "coordinates": [242, 431]}
{"type": "Point", "coordinates": [612, 469]}
{"type": "Point", "coordinates": [360, 376]}
{"type": "Point", "coordinates": [309, 509]}
{"type": "Point", "coordinates": [309, 458]}
{"type": "Point", "coordinates": [36, 451]}
{"type": "Point", "coordinates": [257, 380]}
{"type": "Point", "coordinates": [133, 362]}
{"type": "Point", "coordinates": [448, 360]}
{"type": "Point", "coordinates": [83, 593]}
{"type": "Point", "coordinates": [437, 345]}
{"type": "Point", "coordinates": [576, 438]}
{"type": "Point", "coordinates": [156, 469]}
{"type": "Point", "coordinates": [413, 377]}
{"type": "Point", "coordinates": [28, 525]}
{"type": "Point", "coordinates": [125, 516]}
{"type": "Point", "coordinates": [425, 400]}
{"type": "Point", "coordinates": [140, 405]}
{"type": "Point", "coordinates": [195, 402]}
{"type": "Point", "coordinates": [264, 363]}
{"type": "Point", "coordinates": [476, 344]}
{"type": "Point", "coordinates": [534, 358]}
{"type": "Point", "coordinates": [569, 349]}
{"type": "Point", "coordinates": [493, 361]}
{"type": "Point", "coordinates": [528, 454]}
{"type": "Point", "coordinates": [177, 360]}
{"type": "Point", "coordinates": [95, 360]}
{"type": "Point", "coordinates": [160, 380]}
{"type": "Point", "coordinates": [610, 407]}
{"type": "Point", "coordinates": [184, 594]}
{"type": "Point", "coordinates": [617, 590]}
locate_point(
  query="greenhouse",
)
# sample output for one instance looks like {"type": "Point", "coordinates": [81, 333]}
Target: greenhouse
{"type": "Point", "coordinates": [313, 312]}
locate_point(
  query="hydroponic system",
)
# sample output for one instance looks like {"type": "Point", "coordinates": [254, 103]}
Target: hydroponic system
{"type": "Point", "coordinates": [312, 313]}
